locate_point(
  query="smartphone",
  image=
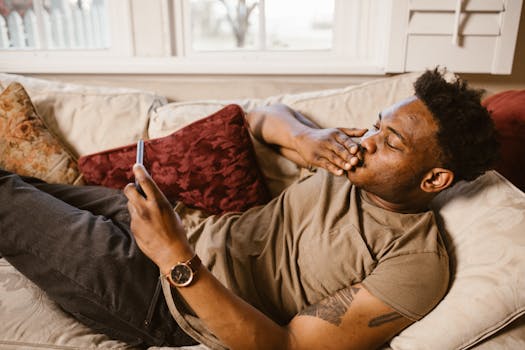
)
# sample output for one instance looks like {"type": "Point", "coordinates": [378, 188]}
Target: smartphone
{"type": "Point", "coordinates": [140, 160]}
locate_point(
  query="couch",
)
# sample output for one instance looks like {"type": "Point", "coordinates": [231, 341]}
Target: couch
{"type": "Point", "coordinates": [483, 222]}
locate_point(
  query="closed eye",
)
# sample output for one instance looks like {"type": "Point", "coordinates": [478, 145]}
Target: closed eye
{"type": "Point", "coordinates": [390, 145]}
{"type": "Point", "coordinates": [377, 127]}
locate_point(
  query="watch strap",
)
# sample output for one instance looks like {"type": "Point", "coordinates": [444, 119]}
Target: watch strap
{"type": "Point", "coordinates": [194, 263]}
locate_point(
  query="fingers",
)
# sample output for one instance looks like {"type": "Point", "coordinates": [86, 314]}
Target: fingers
{"type": "Point", "coordinates": [330, 166]}
{"type": "Point", "coordinates": [147, 184]}
{"type": "Point", "coordinates": [153, 194]}
{"type": "Point", "coordinates": [355, 161]}
{"type": "Point", "coordinates": [334, 149]}
{"type": "Point", "coordinates": [353, 132]}
{"type": "Point", "coordinates": [337, 154]}
{"type": "Point", "coordinates": [130, 191]}
{"type": "Point", "coordinates": [349, 145]}
{"type": "Point", "coordinates": [345, 149]}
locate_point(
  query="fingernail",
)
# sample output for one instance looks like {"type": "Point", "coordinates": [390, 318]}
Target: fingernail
{"type": "Point", "coordinates": [141, 174]}
{"type": "Point", "coordinates": [347, 166]}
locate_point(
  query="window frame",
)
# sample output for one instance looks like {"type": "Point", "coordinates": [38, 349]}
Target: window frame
{"type": "Point", "coordinates": [118, 10]}
{"type": "Point", "coordinates": [128, 55]}
{"type": "Point", "coordinates": [360, 55]}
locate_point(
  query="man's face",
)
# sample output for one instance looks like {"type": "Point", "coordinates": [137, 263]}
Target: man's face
{"type": "Point", "coordinates": [397, 151]}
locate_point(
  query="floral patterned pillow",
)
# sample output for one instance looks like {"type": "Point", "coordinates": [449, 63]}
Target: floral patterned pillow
{"type": "Point", "coordinates": [27, 147]}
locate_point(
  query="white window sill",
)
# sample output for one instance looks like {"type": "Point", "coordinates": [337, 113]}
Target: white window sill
{"type": "Point", "coordinates": [38, 62]}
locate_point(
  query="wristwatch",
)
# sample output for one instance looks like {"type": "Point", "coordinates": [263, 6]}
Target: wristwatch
{"type": "Point", "coordinates": [183, 273]}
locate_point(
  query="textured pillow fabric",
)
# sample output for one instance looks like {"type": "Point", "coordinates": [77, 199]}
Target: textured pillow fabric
{"type": "Point", "coordinates": [483, 223]}
{"type": "Point", "coordinates": [508, 111]}
{"type": "Point", "coordinates": [208, 165]}
{"type": "Point", "coordinates": [89, 119]}
{"type": "Point", "coordinates": [27, 146]}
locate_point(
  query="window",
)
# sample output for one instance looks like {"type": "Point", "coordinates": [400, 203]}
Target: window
{"type": "Point", "coordinates": [256, 36]}
{"type": "Point", "coordinates": [261, 25]}
{"type": "Point", "coordinates": [283, 37]}
{"type": "Point", "coordinates": [59, 24]}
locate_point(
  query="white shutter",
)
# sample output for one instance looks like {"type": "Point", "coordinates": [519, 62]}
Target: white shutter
{"type": "Point", "coordinates": [474, 36]}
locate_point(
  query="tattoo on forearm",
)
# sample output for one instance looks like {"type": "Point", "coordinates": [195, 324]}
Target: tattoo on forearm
{"type": "Point", "coordinates": [332, 308]}
{"type": "Point", "coordinates": [378, 321]}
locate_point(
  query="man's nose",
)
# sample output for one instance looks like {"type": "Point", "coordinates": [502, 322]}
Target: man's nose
{"type": "Point", "coordinates": [368, 143]}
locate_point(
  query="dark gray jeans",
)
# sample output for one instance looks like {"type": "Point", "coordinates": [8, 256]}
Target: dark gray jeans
{"type": "Point", "coordinates": [75, 243]}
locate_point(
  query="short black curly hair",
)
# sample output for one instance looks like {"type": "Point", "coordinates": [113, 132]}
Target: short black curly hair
{"type": "Point", "coordinates": [466, 132]}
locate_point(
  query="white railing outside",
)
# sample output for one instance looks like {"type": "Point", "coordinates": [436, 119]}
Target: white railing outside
{"type": "Point", "coordinates": [63, 25]}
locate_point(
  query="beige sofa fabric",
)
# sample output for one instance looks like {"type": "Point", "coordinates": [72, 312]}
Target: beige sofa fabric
{"type": "Point", "coordinates": [511, 337]}
{"type": "Point", "coordinates": [89, 119]}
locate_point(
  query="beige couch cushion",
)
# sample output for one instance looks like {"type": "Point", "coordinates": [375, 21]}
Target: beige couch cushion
{"type": "Point", "coordinates": [511, 337]}
{"type": "Point", "coordinates": [483, 224]}
{"type": "Point", "coordinates": [89, 119]}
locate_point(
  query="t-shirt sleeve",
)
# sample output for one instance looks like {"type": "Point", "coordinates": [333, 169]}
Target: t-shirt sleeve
{"type": "Point", "coordinates": [412, 284]}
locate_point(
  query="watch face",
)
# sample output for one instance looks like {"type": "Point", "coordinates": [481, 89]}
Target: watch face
{"type": "Point", "coordinates": [181, 275]}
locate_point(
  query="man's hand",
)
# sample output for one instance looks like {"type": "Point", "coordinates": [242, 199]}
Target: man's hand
{"type": "Point", "coordinates": [303, 142]}
{"type": "Point", "coordinates": [156, 228]}
{"type": "Point", "coordinates": [332, 149]}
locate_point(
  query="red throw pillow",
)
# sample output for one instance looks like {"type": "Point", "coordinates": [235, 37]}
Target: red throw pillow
{"type": "Point", "coordinates": [209, 164]}
{"type": "Point", "coordinates": [508, 112]}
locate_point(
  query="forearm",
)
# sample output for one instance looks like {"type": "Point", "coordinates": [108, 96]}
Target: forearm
{"type": "Point", "coordinates": [303, 142]}
{"type": "Point", "coordinates": [236, 323]}
{"type": "Point", "coordinates": [160, 235]}
{"type": "Point", "coordinates": [278, 125]}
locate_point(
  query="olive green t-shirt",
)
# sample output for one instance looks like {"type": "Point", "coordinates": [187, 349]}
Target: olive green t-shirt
{"type": "Point", "coordinates": [320, 235]}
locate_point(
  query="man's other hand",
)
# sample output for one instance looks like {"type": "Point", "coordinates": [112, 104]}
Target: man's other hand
{"type": "Point", "coordinates": [158, 231]}
{"type": "Point", "coordinates": [335, 150]}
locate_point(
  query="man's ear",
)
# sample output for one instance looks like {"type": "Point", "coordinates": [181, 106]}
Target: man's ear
{"type": "Point", "coordinates": [437, 180]}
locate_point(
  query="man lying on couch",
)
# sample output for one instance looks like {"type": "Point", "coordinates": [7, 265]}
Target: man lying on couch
{"type": "Point", "coordinates": [344, 258]}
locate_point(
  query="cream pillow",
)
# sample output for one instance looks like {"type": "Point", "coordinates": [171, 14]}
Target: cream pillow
{"type": "Point", "coordinates": [90, 119]}
{"type": "Point", "coordinates": [483, 223]}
